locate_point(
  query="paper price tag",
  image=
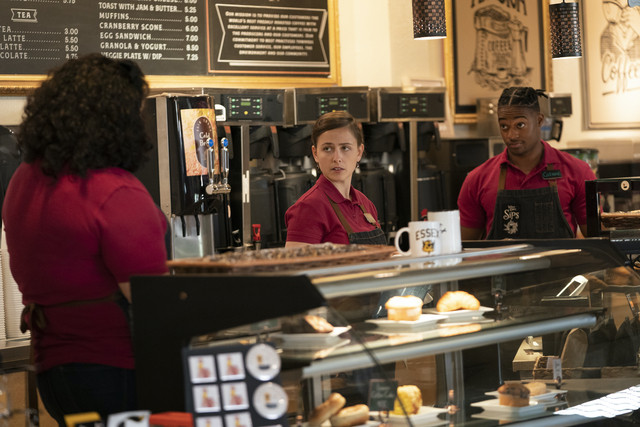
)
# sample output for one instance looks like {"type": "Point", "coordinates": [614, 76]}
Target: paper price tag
{"type": "Point", "coordinates": [555, 363]}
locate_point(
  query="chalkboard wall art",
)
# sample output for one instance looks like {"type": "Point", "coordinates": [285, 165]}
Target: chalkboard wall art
{"type": "Point", "coordinates": [176, 42]}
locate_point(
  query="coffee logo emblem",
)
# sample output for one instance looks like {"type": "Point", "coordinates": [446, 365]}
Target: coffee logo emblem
{"type": "Point", "coordinates": [202, 132]}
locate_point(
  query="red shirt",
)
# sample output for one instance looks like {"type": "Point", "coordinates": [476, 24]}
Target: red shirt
{"type": "Point", "coordinates": [311, 219]}
{"type": "Point", "coordinates": [477, 197]}
{"type": "Point", "coordinates": [75, 239]}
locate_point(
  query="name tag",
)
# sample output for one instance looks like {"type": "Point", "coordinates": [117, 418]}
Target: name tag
{"type": "Point", "coordinates": [370, 218]}
{"type": "Point", "coordinates": [551, 174]}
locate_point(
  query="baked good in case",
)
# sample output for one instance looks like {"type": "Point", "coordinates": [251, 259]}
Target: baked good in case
{"type": "Point", "coordinates": [308, 324]}
{"type": "Point", "coordinates": [407, 307]}
{"type": "Point", "coordinates": [351, 416]}
{"type": "Point", "coordinates": [536, 388]}
{"type": "Point", "coordinates": [326, 409]}
{"type": "Point", "coordinates": [457, 300]}
{"type": "Point", "coordinates": [513, 394]}
{"type": "Point", "coordinates": [411, 399]}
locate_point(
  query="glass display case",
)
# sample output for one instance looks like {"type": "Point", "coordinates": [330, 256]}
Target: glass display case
{"type": "Point", "coordinates": [543, 308]}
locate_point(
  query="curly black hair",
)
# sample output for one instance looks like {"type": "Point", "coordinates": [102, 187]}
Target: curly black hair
{"type": "Point", "coordinates": [86, 115]}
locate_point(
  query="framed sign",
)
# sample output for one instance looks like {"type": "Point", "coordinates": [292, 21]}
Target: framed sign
{"type": "Point", "coordinates": [611, 61]}
{"type": "Point", "coordinates": [491, 45]}
{"type": "Point", "coordinates": [190, 43]}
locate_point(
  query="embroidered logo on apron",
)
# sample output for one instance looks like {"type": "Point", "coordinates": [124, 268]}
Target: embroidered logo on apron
{"type": "Point", "coordinates": [511, 217]}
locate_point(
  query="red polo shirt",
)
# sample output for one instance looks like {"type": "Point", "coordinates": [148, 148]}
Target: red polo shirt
{"type": "Point", "coordinates": [75, 239]}
{"type": "Point", "coordinates": [477, 197]}
{"type": "Point", "coordinates": [311, 219]}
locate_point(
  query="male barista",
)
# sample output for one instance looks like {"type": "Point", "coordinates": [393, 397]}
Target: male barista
{"type": "Point", "coordinates": [530, 190]}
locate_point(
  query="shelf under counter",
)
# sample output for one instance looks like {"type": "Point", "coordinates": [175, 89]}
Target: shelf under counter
{"type": "Point", "coordinates": [442, 338]}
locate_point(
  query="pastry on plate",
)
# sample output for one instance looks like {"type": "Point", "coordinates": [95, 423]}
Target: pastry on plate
{"type": "Point", "coordinates": [309, 324]}
{"type": "Point", "coordinates": [407, 307]}
{"type": "Point", "coordinates": [513, 394]}
{"type": "Point", "coordinates": [351, 416]}
{"type": "Point", "coordinates": [326, 409]}
{"type": "Point", "coordinates": [457, 300]}
{"type": "Point", "coordinates": [409, 397]}
{"type": "Point", "coordinates": [536, 388]}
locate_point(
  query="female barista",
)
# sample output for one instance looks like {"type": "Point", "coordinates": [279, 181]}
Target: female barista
{"type": "Point", "coordinates": [332, 210]}
{"type": "Point", "coordinates": [79, 224]}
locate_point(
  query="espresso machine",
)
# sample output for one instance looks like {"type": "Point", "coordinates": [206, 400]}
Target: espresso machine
{"type": "Point", "coordinates": [188, 172]}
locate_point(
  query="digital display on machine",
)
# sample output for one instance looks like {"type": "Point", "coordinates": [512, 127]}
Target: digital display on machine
{"type": "Point", "coordinates": [413, 105]}
{"type": "Point", "coordinates": [245, 107]}
{"type": "Point", "coordinates": [327, 104]}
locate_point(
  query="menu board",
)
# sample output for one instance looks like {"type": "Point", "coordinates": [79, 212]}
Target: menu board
{"type": "Point", "coordinates": [169, 37]}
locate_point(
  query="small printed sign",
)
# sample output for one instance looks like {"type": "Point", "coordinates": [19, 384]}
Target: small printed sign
{"type": "Point", "coordinates": [382, 394]}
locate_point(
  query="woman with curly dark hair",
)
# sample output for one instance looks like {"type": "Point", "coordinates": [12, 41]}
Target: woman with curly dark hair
{"type": "Point", "coordinates": [78, 225]}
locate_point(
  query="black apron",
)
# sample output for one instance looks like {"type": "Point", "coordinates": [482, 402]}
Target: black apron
{"type": "Point", "coordinates": [373, 237]}
{"type": "Point", "coordinates": [529, 214]}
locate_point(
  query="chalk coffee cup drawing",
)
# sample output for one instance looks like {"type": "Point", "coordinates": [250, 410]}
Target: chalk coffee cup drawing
{"type": "Point", "coordinates": [450, 230]}
{"type": "Point", "coordinates": [424, 238]}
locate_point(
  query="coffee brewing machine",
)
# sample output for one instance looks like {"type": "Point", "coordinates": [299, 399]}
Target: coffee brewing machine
{"type": "Point", "coordinates": [264, 175]}
{"type": "Point", "coordinates": [409, 113]}
{"type": "Point", "coordinates": [188, 172]}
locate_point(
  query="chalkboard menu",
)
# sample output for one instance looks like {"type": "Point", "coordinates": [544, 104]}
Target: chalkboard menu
{"type": "Point", "coordinates": [169, 37]}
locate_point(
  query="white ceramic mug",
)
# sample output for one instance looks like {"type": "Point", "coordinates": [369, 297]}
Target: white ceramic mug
{"type": "Point", "coordinates": [424, 238]}
{"type": "Point", "coordinates": [450, 231]}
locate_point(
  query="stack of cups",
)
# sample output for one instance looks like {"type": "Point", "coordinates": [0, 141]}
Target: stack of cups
{"type": "Point", "coordinates": [440, 234]}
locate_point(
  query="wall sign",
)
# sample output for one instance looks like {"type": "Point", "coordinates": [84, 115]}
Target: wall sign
{"type": "Point", "coordinates": [191, 39]}
{"type": "Point", "coordinates": [494, 44]}
{"type": "Point", "coordinates": [611, 39]}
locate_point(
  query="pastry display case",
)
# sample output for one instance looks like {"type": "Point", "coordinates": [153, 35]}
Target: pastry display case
{"type": "Point", "coordinates": [541, 306]}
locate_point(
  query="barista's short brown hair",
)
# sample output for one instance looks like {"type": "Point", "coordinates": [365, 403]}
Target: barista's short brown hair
{"type": "Point", "coordinates": [336, 120]}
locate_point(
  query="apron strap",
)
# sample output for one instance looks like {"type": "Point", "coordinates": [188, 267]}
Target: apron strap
{"type": "Point", "coordinates": [341, 217]}
{"type": "Point", "coordinates": [503, 176]}
{"type": "Point", "coordinates": [552, 182]}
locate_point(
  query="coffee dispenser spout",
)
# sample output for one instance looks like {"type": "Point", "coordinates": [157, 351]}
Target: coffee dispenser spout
{"type": "Point", "coordinates": [212, 187]}
{"type": "Point", "coordinates": [224, 166]}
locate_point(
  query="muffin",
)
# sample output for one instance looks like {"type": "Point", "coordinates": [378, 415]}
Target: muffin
{"type": "Point", "coordinates": [408, 307]}
{"type": "Point", "coordinates": [513, 394]}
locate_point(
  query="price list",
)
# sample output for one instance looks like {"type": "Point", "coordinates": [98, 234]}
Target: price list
{"type": "Point", "coordinates": [169, 37]}
{"type": "Point", "coordinates": [163, 36]}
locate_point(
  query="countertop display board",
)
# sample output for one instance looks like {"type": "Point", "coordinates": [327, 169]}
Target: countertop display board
{"type": "Point", "coordinates": [235, 386]}
{"type": "Point", "coordinates": [178, 38]}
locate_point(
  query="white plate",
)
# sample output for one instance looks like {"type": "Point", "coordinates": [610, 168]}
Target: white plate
{"type": "Point", "coordinates": [368, 424]}
{"type": "Point", "coordinates": [493, 407]}
{"type": "Point", "coordinates": [314, 339]}
{"type": "Point", "coordinates": [424, 321]}
{"type": "Point", "coordinates": [550, 394]}
{"type": "Point", "coordinates": [458, 315]}
{"type": "Point", "coordinates": [427, 415]}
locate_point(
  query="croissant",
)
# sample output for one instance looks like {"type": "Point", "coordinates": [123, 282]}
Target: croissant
{"type": "Point", "coordinates": [457, 300]}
